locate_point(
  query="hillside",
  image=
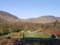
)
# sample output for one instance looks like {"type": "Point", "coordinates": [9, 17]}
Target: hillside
{"type": "Point", "coordinates": [11, 22]}
{"type": "Point", "coordinates": [43, 19]}
{"type": "Point", "coordinates": [5, 16]}
{"type": "Point", "coordinates": [45, 22]}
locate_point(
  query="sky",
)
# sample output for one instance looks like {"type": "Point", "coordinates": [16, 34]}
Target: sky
{"type": "Point", "coordinates": [31, 8]}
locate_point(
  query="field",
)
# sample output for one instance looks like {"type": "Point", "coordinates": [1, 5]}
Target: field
{"type": "Point", "coordinates": [37, 35]}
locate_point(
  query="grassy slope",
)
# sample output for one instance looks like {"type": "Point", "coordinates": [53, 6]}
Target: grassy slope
{"type": "Point", "coordinates": [37, 35]}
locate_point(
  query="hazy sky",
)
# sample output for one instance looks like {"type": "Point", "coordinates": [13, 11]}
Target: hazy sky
{"type": "Point", "coordinates": [31, 8]}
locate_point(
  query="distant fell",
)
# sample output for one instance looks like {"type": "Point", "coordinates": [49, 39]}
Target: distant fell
{"type": "Point", "coordinates": [5, 16]}
{"type": "Point", "coordinates": [43, 19]}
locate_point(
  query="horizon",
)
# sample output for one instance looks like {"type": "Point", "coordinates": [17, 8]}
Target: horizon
{"type": "Point", "coordinates": [25, 9]}
{"type": "Point", "coordinates": [30, 17]}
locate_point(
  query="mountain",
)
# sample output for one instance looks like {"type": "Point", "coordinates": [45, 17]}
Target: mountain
{"type": "Point", "coordinates": [5, 16]}
{"type": "Point", "coordinates": [58, 18]}
{"type": "Point", "coordinates": [43, 19]}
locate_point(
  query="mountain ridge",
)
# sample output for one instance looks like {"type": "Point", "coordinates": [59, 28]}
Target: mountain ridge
{"type": "Point", "coordinates": [43, 19]}
{"type": "Point", "coordinates": [8, 17]}
{"type": "Point", "coordinates": [5, 16]}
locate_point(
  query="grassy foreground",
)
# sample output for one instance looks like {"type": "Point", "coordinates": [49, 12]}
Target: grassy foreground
{"type": "Point", "coordinates": [37, 35]}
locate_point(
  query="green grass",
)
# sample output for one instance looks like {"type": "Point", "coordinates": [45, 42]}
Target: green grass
{"type": "Point", "coordinates": [37, 35]}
